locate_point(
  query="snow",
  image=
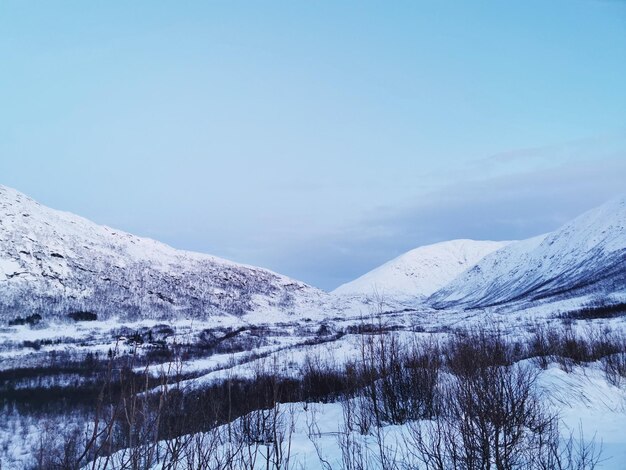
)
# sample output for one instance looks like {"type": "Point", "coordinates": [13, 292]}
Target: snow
{"type": "Point", "coordinates": [420, 272]}
{"type": "Point", "coordinates": [61, 262]}
{"type": "Point", "coordinates": [8, 268]}
{"type": "Point", "coordinates": [581, 397]}
{"type": "Point", "coordinates": [54, 262]}
{"type": "Point", "coordinates": [585, 256]}
{"type": "Point", "coordinates": [583, 400]}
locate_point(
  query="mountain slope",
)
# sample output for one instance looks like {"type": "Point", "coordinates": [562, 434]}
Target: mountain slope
{"type": "Point", "coordinates": [420, 272]}
{"type": "Point", "coordinates": [586, 256]}
{"type": "Point", "coordinates": [54, 262]}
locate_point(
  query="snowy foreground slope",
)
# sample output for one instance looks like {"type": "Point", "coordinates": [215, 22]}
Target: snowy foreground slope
{"type": "Point", "coordinates": [585, 257]}
{"type": "Point", "coordinates": [54, 263]}
{"type": "Point", "coordinates": [314, 436]}
{"type": "Point", "coordinates": [422, 271]}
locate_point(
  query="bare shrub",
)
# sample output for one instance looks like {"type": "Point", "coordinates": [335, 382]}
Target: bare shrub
{"type": "Point", "coordinates": [492, 415]}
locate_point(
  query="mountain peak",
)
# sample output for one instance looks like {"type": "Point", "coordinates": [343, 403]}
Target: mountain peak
{"type": "Point", "coordinates": [421, 271]}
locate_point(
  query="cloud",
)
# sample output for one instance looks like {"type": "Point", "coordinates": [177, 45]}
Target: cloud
{"type": "Point", "coordinates": [501, 208]}
{"type": "Point", "coordinates": [512, 195]}
{"type": "Point", "coordinates": [574, 152]}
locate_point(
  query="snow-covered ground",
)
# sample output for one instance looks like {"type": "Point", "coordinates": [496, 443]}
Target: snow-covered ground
{"type": "Point", "coordinates": [582, 397]}
{"type": "Point", "coordinates": [314, 435]}
{"type": "Point", "coordinates": [585, 400]}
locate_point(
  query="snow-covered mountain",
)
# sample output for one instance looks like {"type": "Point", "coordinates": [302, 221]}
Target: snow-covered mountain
{"type": "Point", "coordinates": [418, 273]}
{"type": "Point", "coordinates": [585, 257]}
{"type": "Point", "coordinates": [55, 263]}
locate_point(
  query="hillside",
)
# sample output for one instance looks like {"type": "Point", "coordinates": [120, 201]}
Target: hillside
{"type": "Point", "coordinates": [54, 263]}
{"type": "Point", "coordinates": [584, 258]}
{"type": "Point", "coordinates": [418, 273]}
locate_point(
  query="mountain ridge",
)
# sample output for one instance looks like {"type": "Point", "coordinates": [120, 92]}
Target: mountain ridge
{"type": "Point", "coordinates": [419, 272]}
{"type": "Point", "coordinates": [56, 263]}
{"type": "Point", "coordinates": [586, 256]}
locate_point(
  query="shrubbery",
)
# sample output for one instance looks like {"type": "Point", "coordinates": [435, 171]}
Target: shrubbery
{"type": "Point", "coordinates": [469, 400]}
{"type": "Point", "coordinates": [83, 316]}
{"type": "Point", "coordinates": [29, 320]}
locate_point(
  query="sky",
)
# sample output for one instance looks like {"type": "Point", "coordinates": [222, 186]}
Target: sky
{"type": "Point", "coordinates": [317, 139]}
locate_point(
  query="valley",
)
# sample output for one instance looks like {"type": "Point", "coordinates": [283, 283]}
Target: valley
{"type": "Point", "coordinates": [142, 356]}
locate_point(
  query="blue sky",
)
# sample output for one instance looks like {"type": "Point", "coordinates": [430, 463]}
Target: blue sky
{"type": "Point", "coordinates": [318, 139]}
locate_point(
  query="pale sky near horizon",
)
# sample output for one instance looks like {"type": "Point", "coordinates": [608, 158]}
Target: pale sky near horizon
{"type": "Point", "coordinates": [318, 139]}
